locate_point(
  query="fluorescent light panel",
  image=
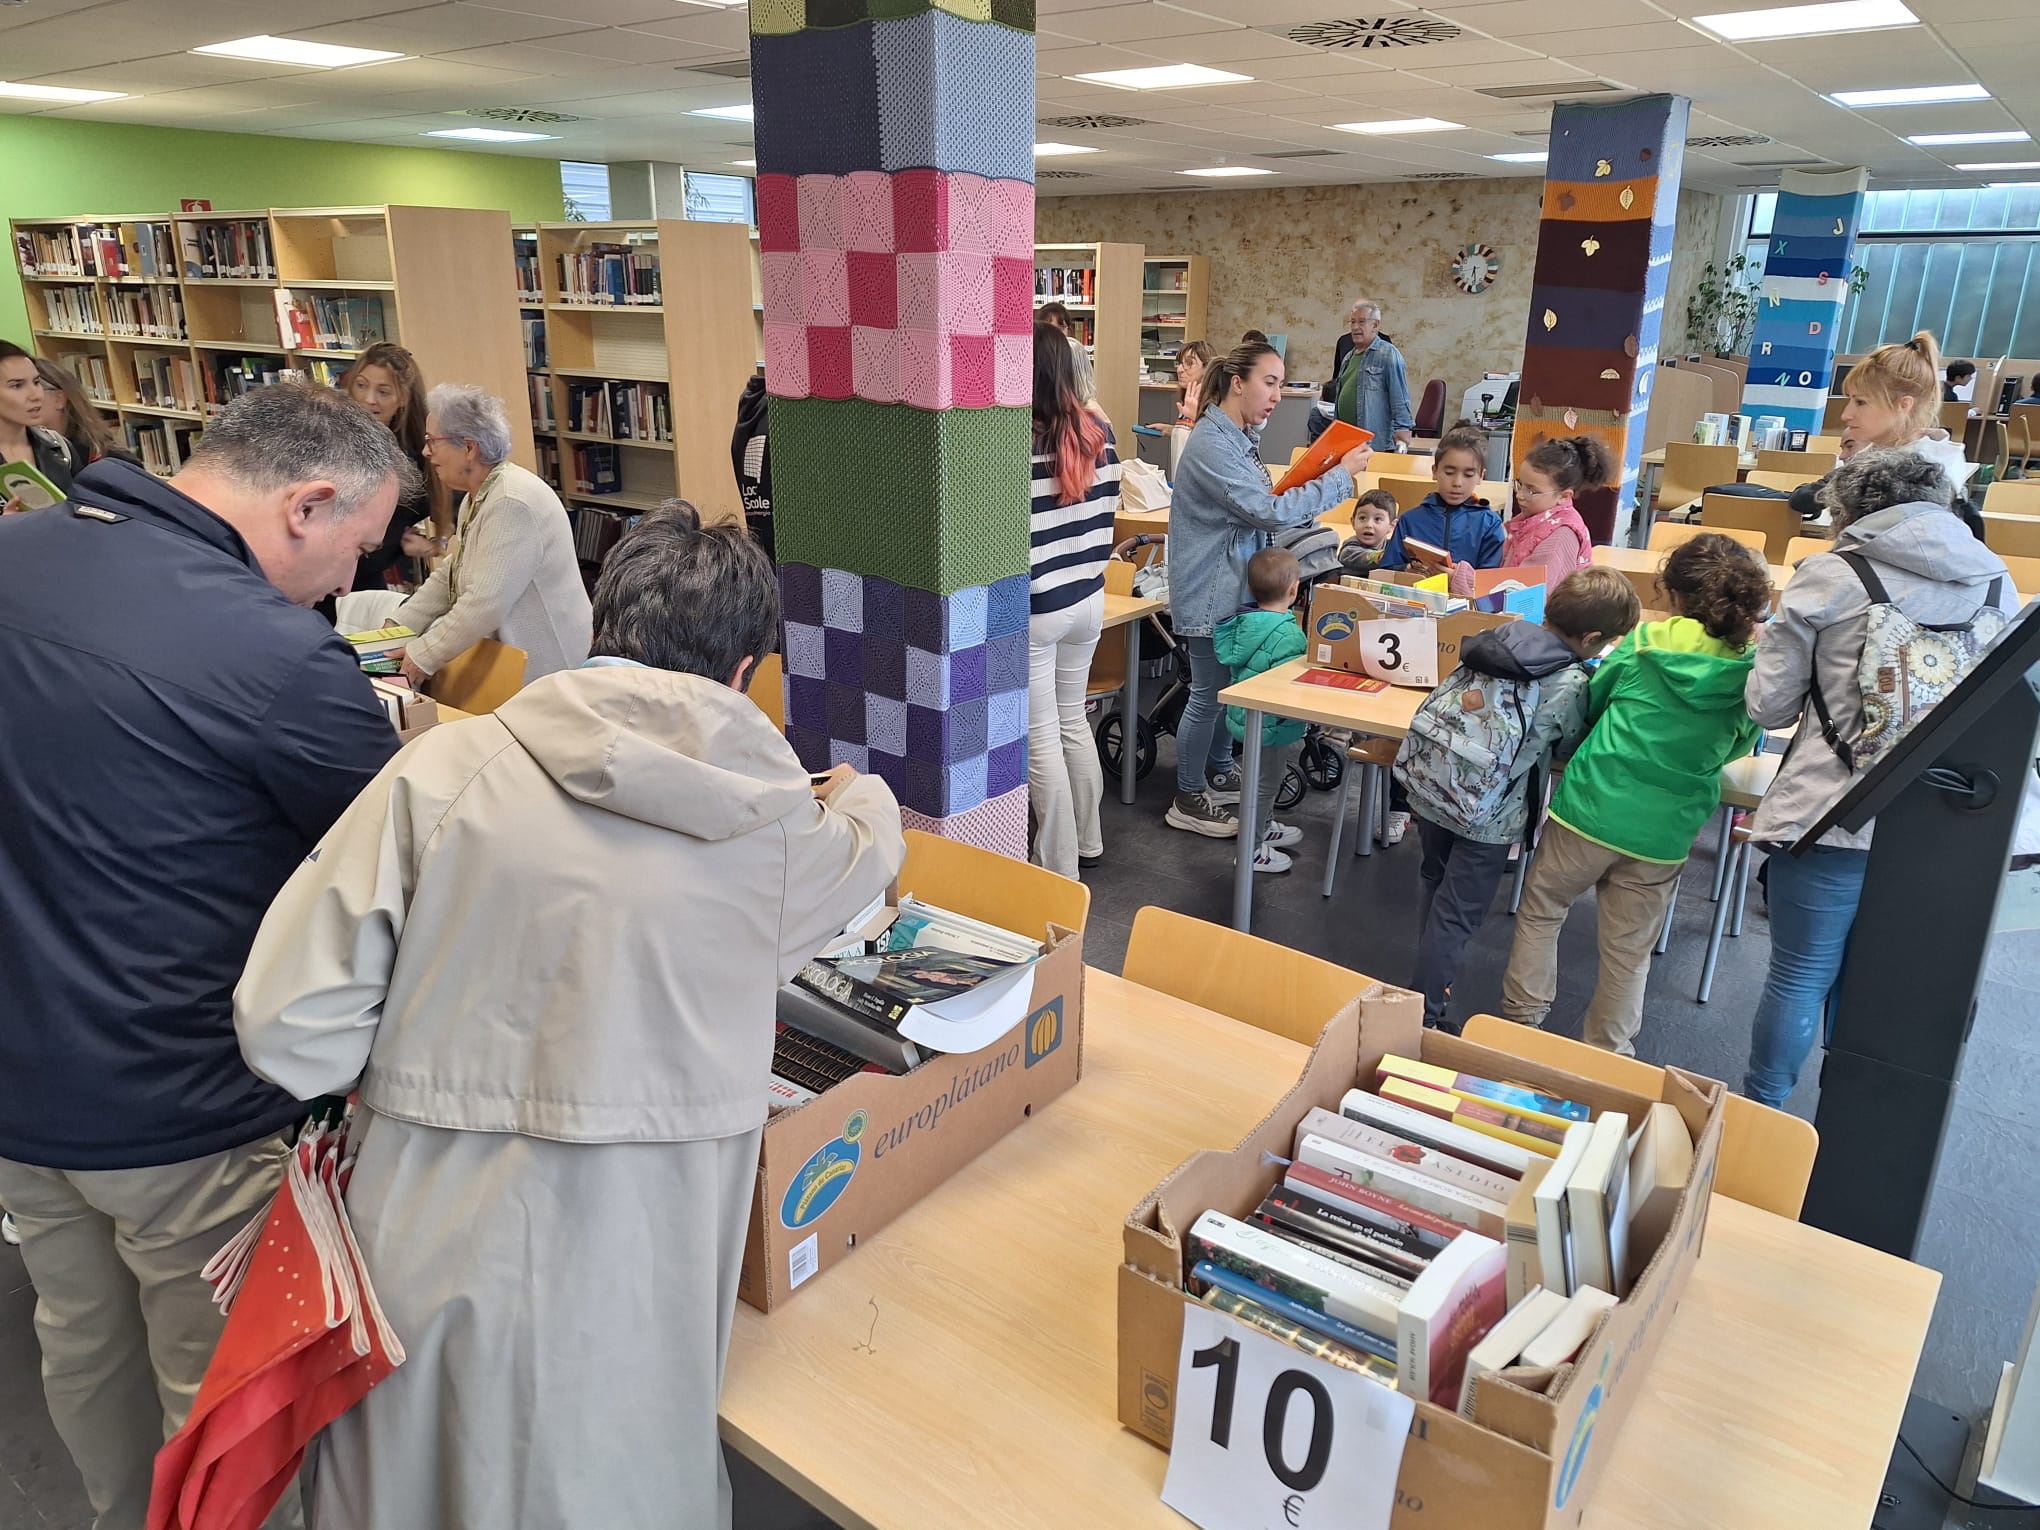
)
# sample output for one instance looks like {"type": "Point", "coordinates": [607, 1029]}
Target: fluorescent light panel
{"type": "Point", "coordinates": [487, 135]}
{"type": "Point", "coordinates": [1216, 171]}
{"type": "Point", "coordinates": [1808, 20]}
{"type": "Point", "coordinates": [745, 164]}
{"type": "Point", "coordinates": [2005, 164]}
{"type": "Point", "coordinates": [296, 50]}
{"type": "Point", "coordinates": [1910, 95]}
{"type": "Point", "coordinates": [63, 93]}
{"type": "Point", "coordinates": [741, 112]}
{"type": "Point", "coordinates": [2014, 185]}
{"type": "Point", "coordinates": [1052, 150]}
{"type": "Point", "coordinates": [1528, 157]}
{"type": "Point", "coordinates": [1937, 140]}
{"type": "Point", "coordinates": [1402, 125]}
{"type": "Point", "coordinates": [1165, 77]}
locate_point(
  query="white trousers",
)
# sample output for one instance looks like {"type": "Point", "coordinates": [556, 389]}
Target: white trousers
{"type": "Point", "coordinates": [1065, 782]}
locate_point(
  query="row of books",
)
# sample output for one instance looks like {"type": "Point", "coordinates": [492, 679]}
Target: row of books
{"type": "Point", "coordinates": [232, 248]}
{"type": "Point", "coordinates": [534, 342]}
{"type": "Point", "coordinates": [596, 469]}
{"type": "Point", "coordinates": [1404, 601]}
{"type": "Point", "coordinates": [1391, 1244]}
{"type": "Point", "coordinates": [622, 411]}
{"type": "Point", "coordinates": [1068, 284]}
{"type": "Point", "coordinates": [228, 376]}
{"type": "Point", "coordinates": [93, 374]}
{"type": "Point", "coordinates": [528, 284]}
{"type": "Point", "coordinates": [163, 445]}
{"type": "Point", "coordinates": [152, 252]}
{"type": "Point", "coordinates": [542, 417]}
{"type": "Point", "coordinates": [610, 274]}
{"type": "Point", "coordinates": [597, 531]}
{"type": "Point", "coordinates": [154, 313]}
{"type": "Point", "coordinates": [324, 370]}
{"type": "Point", "coordinates": [72, 311]}
{"type": "Point", "coordinates": [166, 382]}
{"type": "Point", "coordinates": [317, 320]}
{"type": "Point", "coordinates": [44, 253]}
{"type": "Point", "coordinates": [548, 455]}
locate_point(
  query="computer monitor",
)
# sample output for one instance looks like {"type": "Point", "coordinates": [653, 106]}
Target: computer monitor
{"type": "Point", "coordinates": [2009, 393]}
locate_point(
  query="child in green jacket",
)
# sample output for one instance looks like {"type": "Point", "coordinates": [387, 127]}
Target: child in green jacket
{"type": "Point", "coordinates": [1667, 714]}
{"type": "Point", "coordinates": [1247, 644]}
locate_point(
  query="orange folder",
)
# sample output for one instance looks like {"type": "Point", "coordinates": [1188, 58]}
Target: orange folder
{"type": "Point", "coordinates": [1338, 440]}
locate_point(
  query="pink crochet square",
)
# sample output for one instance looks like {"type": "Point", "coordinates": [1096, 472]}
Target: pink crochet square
{"type": "Point", "coordinates": [778, 213]}
{"type": "Point", "coordinates": [1011, 219]}
{"type": "Point", "coordinates": [970, 213]}
{"type": "Point", "coordinates": [824, 288]}
{"type": "Point", "coordinates": [786, 360]}
{"type": "Point", "coordinates": [971, 384]}
{"type": "Point", "coordinates": [875, 364]}
{"type": "Point", "coordinates": [924, 369]}
{"type": "Point", "coordinates": [1013, 369]}
{"type": "Point", "coordinates": [821, 212]}
{"type": "Point", "coordinates": [874, 289]}
{"type": "Point", "coordinates": [966, 292]}
{"type": "Point", "coordinates": [920, 210]}
{"type": "Point", "coordinates": [868, 211]}
{"type": "Point", "coordinates": [830, 371]}
{"type": "Point", "coordinates": [779, 284]}
{"type": "Point", "coordinates": [920, 289]}
{"type": "Point", "coordinates": [1013, 295]}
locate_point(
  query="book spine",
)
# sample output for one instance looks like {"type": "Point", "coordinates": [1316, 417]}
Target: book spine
{"type": "Point", "coordinates": [1256, 1314]}
{"type": "Point", "coordinates": [1431, 1163]}
{"type": "Point", "coordinates": [1224, 1277]}
{"type": "Point", "coordinates": [1301, 1274]}
{"type": "Point", "coordinates": [1395, 1179]}
{"type": "Point", "coordinates": [1512, 1096]}
{"type": "Point", "coordinates": [1399, 1217]}
{"type": "Point", "coordinates": [1317, 1243]}
{"type": "Point", "coordinates": [1432, 1131]}
{"type": "Point", "coordinates": [1477, 1116]}
{"type": "Point", "coordinates": [1294, 1215]}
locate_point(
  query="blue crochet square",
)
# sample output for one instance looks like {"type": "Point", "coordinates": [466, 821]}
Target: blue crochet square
{"type": "Point", "coordinates": [953, 95]}
{"type": "Point", "coordinates": [842, 600]}
{"type": "Point", "coordinates": [967, 612]}
{"type": "Point", "coordinates": [1007, 768]}
{"type": "Point", "coordinates": [1006, 606]}
{"type": "Point", "coordinates": [885, 724]}
{"type": "Point", "coordinates": [969, 722]}
{"type": "Point", "coordinates": [1006, 718]}
{"type": "Point", "coordinates": [927, 678]}
{"type": "Point", "coordinates": [801, 645]}
{"type": "Point", "coordinates": [1006, 663]}
{"type": "Point", "coordinates": [966, 784]}
{"type": "Point", "coordinates": [843, 752]}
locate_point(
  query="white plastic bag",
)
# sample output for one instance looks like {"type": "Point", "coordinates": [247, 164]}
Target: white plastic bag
{"type": "Point", "coordinates": [1142, 486]}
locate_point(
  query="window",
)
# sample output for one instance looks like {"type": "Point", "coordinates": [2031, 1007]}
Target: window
{"type": "Point", "coordinates": [720, 198]}
{"type": "Point", "coordinates": [1958, 262]}
{"type": "Point", "coordinates": [585, 189]}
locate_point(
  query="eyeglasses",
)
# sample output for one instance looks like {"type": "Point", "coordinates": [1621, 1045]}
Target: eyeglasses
{"type": "Point", "coordinates": [457, 442]}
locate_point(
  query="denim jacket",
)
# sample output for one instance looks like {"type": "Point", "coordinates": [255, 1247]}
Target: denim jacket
{"type": "Point", "coordinates": [1222, 512]}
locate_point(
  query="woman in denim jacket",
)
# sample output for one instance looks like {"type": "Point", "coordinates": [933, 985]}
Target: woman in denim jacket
{"type": "Point", "coordinates": [1221, 513]}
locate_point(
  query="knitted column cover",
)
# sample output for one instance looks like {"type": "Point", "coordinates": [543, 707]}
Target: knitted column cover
{"type": "Point", "coordinates": [896, 238]}
{"type": "Point", "coordinates": [1806, 279]}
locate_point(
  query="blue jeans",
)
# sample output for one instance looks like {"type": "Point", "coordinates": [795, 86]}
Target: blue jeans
{"type": "Point", "coordinates": [1203, 747]}
{"type": "Point", "coordinates": [1813, 904]}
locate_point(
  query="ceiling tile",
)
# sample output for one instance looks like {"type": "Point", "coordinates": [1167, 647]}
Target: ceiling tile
{"type": "Point", "coordinates": [725, 29]}
{"type": "Point", "coordinates": [436, 28]}
{"type": "Point", "coordinates": [1535, 18]}
{"type": "Point", "coordinates": [1152, 24]}
{"type": "Point", "coordinates": [607, 13]}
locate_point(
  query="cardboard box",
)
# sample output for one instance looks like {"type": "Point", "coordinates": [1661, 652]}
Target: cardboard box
{"type": "Point", "coordinates": [1529, 1457]}
{"type": "Point", "coordinates": [1336, 615]}
{"type": "Point", "coordinates": [411, 711]}
{"type": "Point", "coordinates": [835, 1170]}
{"type": "Point", "coordinates": [1527, 602]}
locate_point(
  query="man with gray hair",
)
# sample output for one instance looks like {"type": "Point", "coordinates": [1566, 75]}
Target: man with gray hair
{"type": "Point", "coordinates": [177, 728]}
{"type": "Point", "coordinates": [546, 944]}
{"type": "Point", "coordinates": [1370, 385]}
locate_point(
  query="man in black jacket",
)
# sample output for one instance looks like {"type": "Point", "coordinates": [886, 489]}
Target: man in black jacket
{"type": "Point", "coordinates": [176, 732]}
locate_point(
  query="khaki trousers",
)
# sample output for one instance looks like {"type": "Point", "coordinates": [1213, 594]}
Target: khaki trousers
{"type": "Point", "coordinates": [126, 1323]}
{"type": "Point", "coordinates": [1631, 896]}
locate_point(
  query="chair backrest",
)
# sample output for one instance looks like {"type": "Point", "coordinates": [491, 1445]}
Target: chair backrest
{"type": "Point", "coordinates": [1399, 462]}
{"type": "Point", "coordinates": [1296, 454]}
{"type": "Point", "coordinates": [2012, 535]}
{"type": "Point", "coordinates": [1806, 465]}
{"type": "Point", "coordinates": [995, 888]}
{"type": "Point", "coordinates": [1805, 547]}
{"type": "Point", "coordinates": [1831, 416]}
{"type": "Point", "coordinates": [1776, 519]}
{"type": "Point", "coordinates": [768, 689]}
{"type": "Point", "coordinates": [1784, 483]}
{"type": "Point", "coordinates": [2022, 427]}
{"type": "Point", "coordinates": [1430, 416]}
{"type": "Point", "coordinates": [2025, 574]}
{"type": "Point", "coordinates": [1829, 444]}
{"type": "Point", "coordinates": [1766, 1155]}
{"type": "Point", "coordinates": [1408, 492]}
{"type": "Point", "coordinates": [481, 679]}
{"type": "Point", "coordinates": [1955, 417]}
{"type": "Point", "coordinates": [1666, 535]}
{"type": "Point", "coordinates": [1597, 505]}
{"type": "Point", "coordinates": [1253, 980]}
{"type": "Point", "coordinates": [1108, 659]}
{"type": "Point", "coordinates": [1691, 471]}
{"type": "Point", "coordinates": [2016, 496]}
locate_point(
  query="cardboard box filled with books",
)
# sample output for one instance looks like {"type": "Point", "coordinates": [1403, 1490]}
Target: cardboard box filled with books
{"type": "Point", "coordinates": [1503, 1240]}
{"type": "Point", "coordinates": [866, 1119]}
{"type": "Point", "coordinates": [1343, 614]}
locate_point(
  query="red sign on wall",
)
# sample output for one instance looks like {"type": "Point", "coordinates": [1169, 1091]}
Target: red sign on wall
{"type": "Point", "coordinates": [195, 204]}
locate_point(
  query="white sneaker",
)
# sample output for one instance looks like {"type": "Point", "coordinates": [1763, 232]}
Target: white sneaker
{"type": "Point", "coordinates": [1270, 860]}
{"type": "Point", "coordinates": [1398, 825]}
{"type": "Point", "coordinates": [1281, 835]}
{"type": "Point", "coordinates": [8, 1231]}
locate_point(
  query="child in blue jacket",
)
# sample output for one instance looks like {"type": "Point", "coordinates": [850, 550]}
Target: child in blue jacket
{"type": "Point", "coordinates": [1450, 516]}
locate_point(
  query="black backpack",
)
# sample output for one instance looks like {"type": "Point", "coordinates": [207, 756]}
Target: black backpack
{"type": "Point", "coordinates": [753, 466]}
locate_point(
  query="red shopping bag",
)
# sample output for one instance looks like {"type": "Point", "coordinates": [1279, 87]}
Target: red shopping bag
{"type": "Point", "coordinates": [305, 1340]}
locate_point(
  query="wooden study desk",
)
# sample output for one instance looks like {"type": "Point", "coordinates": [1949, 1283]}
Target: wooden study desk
{"type": "Point", "coordinates": [1129, 611]}
{"type": "Point", "coordinates": [1381, 714]}
{"type": "Point", "coordinates": [1641, 565]}
{"type": "Point", "coordinates": [961, 1369]}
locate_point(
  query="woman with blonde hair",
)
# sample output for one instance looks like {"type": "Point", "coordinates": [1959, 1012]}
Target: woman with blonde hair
{"type": "Point", "coordinates": [1894, 398]}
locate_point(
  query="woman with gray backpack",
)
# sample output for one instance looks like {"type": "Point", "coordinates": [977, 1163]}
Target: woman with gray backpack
{"type": "Point", "coordinates": [1866, 640]}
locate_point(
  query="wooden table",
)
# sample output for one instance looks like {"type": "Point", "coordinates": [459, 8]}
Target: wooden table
{"type": "Point", "coordinates": [1129, 611]}
{"type": "Point", "coordinates": [1382, 714]}
{"type": "Point", "coordinates": [960, 1370]}
{"type": "Point", "coordinates": [1649, 466]}
{"type": "Point", "coordinates": [1642, 564]}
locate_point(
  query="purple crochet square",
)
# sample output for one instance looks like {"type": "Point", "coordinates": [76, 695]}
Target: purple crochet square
{"type": "Point", "coordinates": [1007, 768]}
{"type": "Point", "coordinates": [800, 644]}
{"type": "Point", "coordinates": [920, 786]}
{"type": "Point", "coordinates": [927, 733]}
{"type": "Point", "coordinates": [890, 767]}
{"type": "Point", "coordinates": [885, 666]}
{"type": "Point", "coordinates": [845, 654]}
{"type": "Point", "coordinates": [967, 675]}
{"type": "Point", "coordinates": [812, 747]}
{"type": "Point", "coordinates": [1007, 609]}
{"type": "Point", "coordinates": [885, 607]}
{"type": "Point", "coordinates": [842, 600]}
{"type": "Point", "coordinates": [966, 784]}
{"type": "Point", "coordinates": [968, 723]}
{"type": "Point", "coordinates": [807, 703]}
{"type": "Point", "coordinates": [923, 622]}
{"type": "Point", "coordinates": [1006, 662]}
{"type": "Point", "coordinates": [846, 712]}
{"type": "Point", "coordinates": [800, 593]}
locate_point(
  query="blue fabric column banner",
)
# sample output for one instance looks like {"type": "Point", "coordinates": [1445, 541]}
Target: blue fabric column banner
{"type": "Point", "coordinates": [1806, 281]}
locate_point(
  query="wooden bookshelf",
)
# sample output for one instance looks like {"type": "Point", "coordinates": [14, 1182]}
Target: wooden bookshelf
{"type": "Point", "coordinates": [1106, 310]}
{"type": "Point", "coordinates": [695, 335]}
{"type": "Point", "coordinates": [1175, 298]}
{"type": "Point", "coordinates": [415, 275]}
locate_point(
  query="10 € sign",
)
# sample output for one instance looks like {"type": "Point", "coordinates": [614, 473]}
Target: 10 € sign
{"type": "Point", "coordinates": [1268, 1437]}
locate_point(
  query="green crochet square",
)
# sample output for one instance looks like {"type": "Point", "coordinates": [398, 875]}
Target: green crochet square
{"type": "Point", "coordinates": [777, 17]}
{"type": "Point", "coordinates": [1018, 14]}
{"type": "Point", "coordinates": [934, 500]}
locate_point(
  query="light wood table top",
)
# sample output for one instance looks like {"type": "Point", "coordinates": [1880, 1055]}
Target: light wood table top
{"type": "Point", "coordinates": [1121, 609]}
{"type": "Point", "coordinates": [961, 1368]}
{"type": "Point", "coordinates": [1382, 714]}
{"type": "Point", "coordinates": [1643, 560]}
{"type": "Point", "coordinates": [1744, 781]}
{"type": "Point", "coordinates": [1744, 460]}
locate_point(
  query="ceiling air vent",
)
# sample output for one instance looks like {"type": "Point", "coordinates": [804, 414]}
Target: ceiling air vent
{"type": "Point", "coordinates": [1094, 121]}
{"type": "Point", "coordinates": [1442, 175]}
{"type": "Point", "coordinates": [1370, 32]}
{"type": "Point", "coordinates": [516, 114]}
{"type": "Point", "coordinates": [1728, 141]}
{"type": "Point", "coordinates": [1064, 175]}
{"type": "Point", "coordinates": [1555, 89]}
{"type": "Point", "coordinates": [1299, 153]}
{"type": "Point", "coordinates": [728, 69]}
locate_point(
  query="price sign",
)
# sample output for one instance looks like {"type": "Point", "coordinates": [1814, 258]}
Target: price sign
{"type": "Point", "coordinates": [1400, 652]}
{"type": "Point", "coordinates": [1267, 1436]}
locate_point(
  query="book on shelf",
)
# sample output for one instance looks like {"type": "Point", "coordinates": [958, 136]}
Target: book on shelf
{"type": "Point", "coordinates": [101, 252]}
{"type": "Point", "coordinates": [1478, 1212]}
{"type": "Point", "coordinates": [152, 313]}
{"type": "Point", "coordinates": [533, 329]}
{"type": "Point", "coordinates": [1556, 1256]}
{"type": "Point", "coordinates": [93, 374]}
{"type": "Point", "coordinates": [1306, 1277]}
{"type": "Point", "coordinates": [1598, 1195]}
{"type": "Point", "coordinates": [327, 371]}
{"type": "Point", "coordinates": [47, 253]}
{"type": "Point", "coordinates": [610, 274]}
{"type": "Point", "coordinates": [1469, 1086]}
{"type": "Point", "coordinates": [153, 251]}
{"type": "Point", "coordinates": [1528, 1316]}
{"type": "Point", "coordinates": [336, 321]}
{"type": "Point", "coordinates": [596, 532]}
{"type": "Point", "coordinates": [526, 257]}
{"type": "Point", "coordinates": [1379, 1142]}
{"type": "Point", "coordinates": [548, 454]}
{"type": "Point", "coordinates": [1563, 1336]}
{"type": "Point", "coordinates": [1660, 1165]}
{"type": "Point", "coordinates": [227, 376]}
{"type": "Point", "coordinates": [540, 389]}
{"type": "Point", "coordinates": [596, 469]}
{"type": "Point", "coordinates": [1065, 284]}
{"type": "Point", "coordinates": [234, 249]}
{"type": "Point", "coordinates": [166, 381]}
{"type": "Point", "coordinates": [163, 445]}
{"type": "Point", "coordinates": [1446, 1312]}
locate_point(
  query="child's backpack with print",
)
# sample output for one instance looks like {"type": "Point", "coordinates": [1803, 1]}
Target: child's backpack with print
{"type": "Point", "coordinates": [1906, 668]}
{"type": "Point", "coordinates": [1458, 756]}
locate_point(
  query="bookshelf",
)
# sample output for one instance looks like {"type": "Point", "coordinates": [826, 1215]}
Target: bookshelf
{"type": "Point", "coordinates": [637, 341]}
{"type": "Point", "coordinates": [1100, 284]}
{"type": "Point", "coordinates": [1175, 295]}
{"type": "Point", "coordinates": [183, 311]}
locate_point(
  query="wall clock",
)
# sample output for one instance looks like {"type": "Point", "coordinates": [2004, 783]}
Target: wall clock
{"type": "Point", "coordinates": [1475, 267]}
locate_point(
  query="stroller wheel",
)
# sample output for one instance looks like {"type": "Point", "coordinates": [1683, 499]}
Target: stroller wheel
{"type": "Point", "coordinates": [1110, 735]}
{"type": "Point", "coordinates": [1323, 766]}
{"type": "Point", "coordinates": [1291, 791]}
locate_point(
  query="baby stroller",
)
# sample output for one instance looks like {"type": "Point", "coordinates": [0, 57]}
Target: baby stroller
{"type": "Point", "coordinates": [1160, 654]}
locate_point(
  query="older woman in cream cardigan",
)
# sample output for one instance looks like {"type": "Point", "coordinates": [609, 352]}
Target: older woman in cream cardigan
{"type": "Point", "coordinates": [510, 573]}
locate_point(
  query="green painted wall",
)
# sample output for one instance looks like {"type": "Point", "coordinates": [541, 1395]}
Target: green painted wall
{"type": "Point", "coordinates": [52, 169]}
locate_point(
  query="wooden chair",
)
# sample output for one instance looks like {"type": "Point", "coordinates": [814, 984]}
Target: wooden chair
{"type": "Point", "coordinates": [768, 689]}
{"type": "Point", "coordinates": [1955, 418]}
{"type": "Point", "coordinates": [1296, 454]}
{"type": "Point", "coordinates": [481, 679]}
{"type": "Point", "coordinates": [1691, 471]}
{"type": "Point", "coordinates": [1253, 980]}
{"type": "Point", "coordinates": [1408, 492]}
{"type": "Point", "coordinates": [1807, 465]}
{"type": "Point", "coordinates": [1665, 535]}
{"type": "Point", "coordinates": [2019, 496]}
{"type": "Point", "coordinates": [998, 889]}
{"type": "Point", "coordinates": [2025, 574]}
{"type": "Point", "coordinates": [2012, 536]}
{"type": "Point", "coordinates": [1400, 463]}
{"type": "Point", "coordinates": [1805, 547]}
{"type": "Point", "coordinates": [1776, 519]}
{"type": "Point", "coordinates": [1766, 1155]}
{"type": "Point", "coordinates": [1828, 444]}
{"type": "Point", "coordinates": [2022, 434]}
{"type": "Point", "coordinates": [1108, 659]}
{"type": "Point", "coordinates": [1831, 417]}
{"type": "Point", "coordinates": [1784, 483]}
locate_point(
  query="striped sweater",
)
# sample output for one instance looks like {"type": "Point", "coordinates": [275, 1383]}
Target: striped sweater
{"type": "Point", "coordinates": [1071, 543]}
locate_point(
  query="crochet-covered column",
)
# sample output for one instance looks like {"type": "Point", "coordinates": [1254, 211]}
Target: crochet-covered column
{"type": "Point", "coordinates": [1806, 279]}
{"type": "Point", "coordinates": [1604, 252]}
{"type": "Point", "coordinates": [895, 144]}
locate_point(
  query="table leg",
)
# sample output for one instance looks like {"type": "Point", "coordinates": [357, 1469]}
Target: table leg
{"type": "Point", "coordinates": [1646, 495]}
{"type": "Point", "coordinates": [1129, 715]}
{"type": "Point", "coordinates": [1245, 845]}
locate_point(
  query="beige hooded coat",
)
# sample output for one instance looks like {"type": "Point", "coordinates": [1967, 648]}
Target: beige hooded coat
{"type": "Point", "coordinates": [546, 943]}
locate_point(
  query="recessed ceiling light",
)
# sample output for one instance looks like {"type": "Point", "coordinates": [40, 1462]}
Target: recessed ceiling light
{"type": "Point", "coordinates": [487, 135]}
{"type": "Point", "coordinates": [741, 112]}
{"type": "Point", "coordinates": [1527, 157]}
{"type": "Point", "coordinates": [745, 164]}
{"type": "Point", "coordinates": [2005, 164]}
{"type": "Point", "coordinates": [1933, 140]}
{"type": "Point", "coordinates": [1910, 95]}
{"type": "Point", "coordinates": [1808, 20]}
{"type": "Point", "coordinates": [1164, 77]}
{"type": "Point", "coordinates": [2014, 185]}
{"type": "Point", "coordinates": [1402, 125]}
{"type": "Point", "coordinates": [296, 50]}
{"type": "Point", "coordinates": [1216, 171]}
{"type": "Point", "coordinates": [1050, 150]}
{"type": "Point", "coordinates": [15, 92]}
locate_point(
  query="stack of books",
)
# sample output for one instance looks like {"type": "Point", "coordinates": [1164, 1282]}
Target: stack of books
{"type": "Point", "coordinates": [377, 651]}
{"type": "Point", "coordinates": [611, 274]}
{"type": "Point", "coordinates": [166, 381]}
{"type": "Point", "coordinates": [154, 313]}
{"type": "Point", "coordinates": [1395, 1243]}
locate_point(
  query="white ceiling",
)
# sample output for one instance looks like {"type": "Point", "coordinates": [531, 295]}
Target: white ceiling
{"type": "Point", "coordinates": [630, 70]}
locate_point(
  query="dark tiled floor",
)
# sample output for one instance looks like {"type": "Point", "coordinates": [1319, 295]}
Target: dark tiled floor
{"type": "Point", "coordinates": [1984, 1226]}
